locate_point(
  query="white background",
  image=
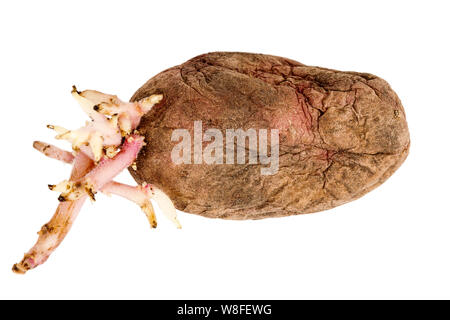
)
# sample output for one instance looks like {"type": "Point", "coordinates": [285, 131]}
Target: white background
{"type": "Point", "coordinates": [392, 243]}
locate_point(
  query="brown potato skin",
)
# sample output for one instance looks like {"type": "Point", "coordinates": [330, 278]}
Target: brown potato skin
{"type": "Point", "coordinates": [341, 134]}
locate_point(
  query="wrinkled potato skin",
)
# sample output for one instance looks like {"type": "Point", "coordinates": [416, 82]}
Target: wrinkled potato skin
{"type": "Point", "coordinates": [341, 134]}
